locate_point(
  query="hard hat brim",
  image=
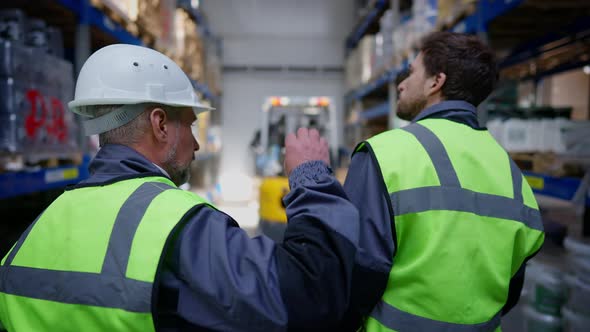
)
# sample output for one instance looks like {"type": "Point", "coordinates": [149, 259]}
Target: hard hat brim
{"type": "Point", "coordinates": [75, 105]}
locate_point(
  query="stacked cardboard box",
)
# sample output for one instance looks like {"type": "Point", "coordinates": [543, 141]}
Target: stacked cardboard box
{"type": "Point", "coordinates": [125, 9]}
{"type": "Point", "coordinates": [148, 18]}
{"type": "Point", "coordinates": [189, 46]}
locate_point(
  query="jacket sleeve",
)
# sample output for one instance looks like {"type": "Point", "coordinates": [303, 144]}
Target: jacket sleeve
{"type": "Point", "coordinates": [217, 277]}
{"type": "Point", "coordinates": [366, 190]}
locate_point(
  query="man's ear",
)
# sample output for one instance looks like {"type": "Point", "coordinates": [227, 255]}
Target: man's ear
{"type": "Point", "coordinates": [437, 82]}
{"type": "Point", "coordinates": [159, 124]}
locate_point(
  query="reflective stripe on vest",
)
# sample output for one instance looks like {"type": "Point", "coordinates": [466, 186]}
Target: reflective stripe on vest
{"type": "Point", "coordinates": [398, 320]}
{"type": "Point", "coordinates": [111, 287]}
{"type": "Point", "coordinates": [92, 267]}
{"type": "Point", "coordinates": [450, 196]}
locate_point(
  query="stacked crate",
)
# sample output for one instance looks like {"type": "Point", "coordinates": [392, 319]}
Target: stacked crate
{"type": "Point", "coordinates": [35, 86]}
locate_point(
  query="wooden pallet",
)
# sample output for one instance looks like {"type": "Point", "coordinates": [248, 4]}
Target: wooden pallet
{"type": "Point", "coordinates": [74, 159]}
{"type": "Point", "coordinates": [547, 163]}
{"type": "Point", "coordinates": [18, 161]}
{"type": "Point", "coordinates": [11, 162]}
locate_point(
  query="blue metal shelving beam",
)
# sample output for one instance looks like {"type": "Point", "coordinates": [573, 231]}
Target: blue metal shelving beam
{"type": "Point", "coordinates": [202, 24]}
{"type": "Point", "coordinates": [578, 31]}
{"type": "Point", "coordinates": [557, 70]}
{"type": "Point", "coordinates": [563, 188]}
{"type": "Point", "coordinates": [198, 16]}
{"type": "Point", "coordinates": [387, 77]}
{"type": "Point", "coordinates": [204, 90]}
{"type": "Point", "coordinates": [378, 111]}
{"type": "Point", "coordinates": [94, 17]}
{"type": "Point", "coordinates": [360, 30]}
{"type": "Point", "coordinates": [26, 182]}
{"type": "Point", "coordinates": [487, 11]}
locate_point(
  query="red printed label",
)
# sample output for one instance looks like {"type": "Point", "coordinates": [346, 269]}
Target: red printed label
{"type": "Point", "coordinates": [52, 119]}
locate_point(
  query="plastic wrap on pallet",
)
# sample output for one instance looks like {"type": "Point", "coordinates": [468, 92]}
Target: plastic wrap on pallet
{"type": "Point", "coordinates": [35, 122]}
{"type": "Point", "coordinates": [366, 57]}
{"type": "Point", "coordinates": [14, 59]}
{"type": "Point", "coordinates": [378, 62]}
{"type": "Point", "coordinates": [352, 70]}
{"type": "Point", "coordinates": [401, 34]}
{"type": "Point", "coordinates": [55, 44]}
{"type": "Point", "coordinates": [36, 34]}
{"type": "Point", "coordinates": [12, 24]}
{"type": "Point", "coordinates": [11, 121]}
{"type": "Point", "coordinates": [386, 31]}
{"type": "Point", "coordinates": [558, 135]}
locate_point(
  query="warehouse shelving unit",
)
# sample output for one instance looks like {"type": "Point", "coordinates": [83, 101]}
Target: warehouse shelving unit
{"type": "Point", "coordinates": [42, 179]}
{"type": "Point", "coordinates": [478, 22]}
{"type": "Point", "coordinates": [367, 23]}
{"type": "Point", "coordinates": [488, 15]}
{"type": "Point", "coordinates": [85, 28]}
{"type": "Point", "coordinates": [563, 188]}
{"type": "Point", "coordinates": [90, 15]}
{"type": "Point", "coordinates": [529, 29]}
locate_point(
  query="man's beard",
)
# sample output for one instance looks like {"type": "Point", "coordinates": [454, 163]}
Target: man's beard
{"type": "Point", "coordinates": [179, 174]}
{"type": "Point", "coordinates": [408, 110]}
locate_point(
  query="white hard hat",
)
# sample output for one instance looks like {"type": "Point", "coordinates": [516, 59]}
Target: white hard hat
{"type": "Point", "coordinates": [124, 74]}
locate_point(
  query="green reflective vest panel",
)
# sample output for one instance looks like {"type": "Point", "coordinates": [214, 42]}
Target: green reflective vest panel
{"type": "Point", "coordinates": [89, 261]}
{"type": "Point", "coordinates": [465, 221]}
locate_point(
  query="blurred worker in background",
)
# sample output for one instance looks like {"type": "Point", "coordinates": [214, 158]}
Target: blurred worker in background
{"type": "Point", "coordinates": [447, 219]}
{"type": "Point", "coordinates": [126, 250]}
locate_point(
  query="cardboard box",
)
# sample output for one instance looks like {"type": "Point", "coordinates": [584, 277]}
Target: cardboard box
{"type": "Point", "coordinates": [570, 89]}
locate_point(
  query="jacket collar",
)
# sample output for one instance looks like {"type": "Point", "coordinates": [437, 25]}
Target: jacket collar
{"type": "Point", "coordinates": [115, 162]}
{"type": "Point", "coordinates": [445, 106]}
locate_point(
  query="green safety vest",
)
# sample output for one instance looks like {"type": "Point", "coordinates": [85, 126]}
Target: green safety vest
{"type": "Point", "coordinates": [89, 261]}
{"type": "Point", "coordinates": [465, 220]}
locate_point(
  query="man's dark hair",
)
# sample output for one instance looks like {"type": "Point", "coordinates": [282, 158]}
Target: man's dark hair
{"type": "Point", "coordinates": [469, 64]}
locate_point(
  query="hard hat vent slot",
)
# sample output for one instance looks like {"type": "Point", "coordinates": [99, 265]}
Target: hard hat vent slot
{"type": "Point", "coordinates": [165, 67]}
{"type": "Point", "coordinates": [136, 64]}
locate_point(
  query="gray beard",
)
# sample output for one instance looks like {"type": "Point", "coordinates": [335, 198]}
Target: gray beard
{"type": "Point", "coordinates": [179, 174]}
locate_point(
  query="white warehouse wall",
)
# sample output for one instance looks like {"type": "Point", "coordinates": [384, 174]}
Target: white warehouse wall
{"type": "Point", "coordinates": [274, 33]}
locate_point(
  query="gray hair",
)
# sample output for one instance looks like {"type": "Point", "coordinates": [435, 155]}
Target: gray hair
{"type": "Point", "coordinates": [128, 134]}
{"type": "Point", "coordinates": [132, 132]}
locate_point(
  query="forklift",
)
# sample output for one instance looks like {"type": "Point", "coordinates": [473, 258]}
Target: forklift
{"type": "Point", "coordinates": [279, 117]}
